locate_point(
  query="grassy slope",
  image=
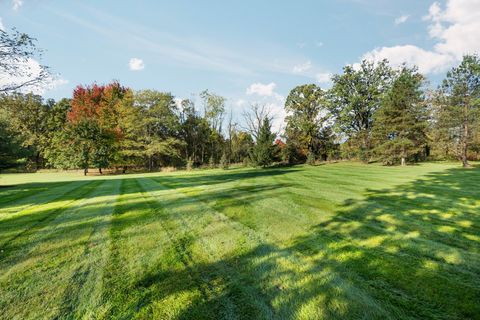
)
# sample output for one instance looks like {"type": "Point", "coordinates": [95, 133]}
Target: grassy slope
{"type": "Point", "coordinates": [335, 241]}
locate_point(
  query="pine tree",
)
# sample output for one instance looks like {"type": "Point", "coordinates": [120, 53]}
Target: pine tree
{"type": "Point", "coordinates": [401, 121]}
{"type": "Point", "coordinates": [263, 152]}
{"type": "Point", "coordinates": [459, 106]}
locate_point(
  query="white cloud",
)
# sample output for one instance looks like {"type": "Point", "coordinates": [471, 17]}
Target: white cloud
{"type": "Point", "coordinates": [277, 109]}
{"type": "Point", "coordinates": [455, 28]}
{"type": "Point", "coordinates": [273, 101]}
{"type": "Point", "coordinates": [261, 89]}
{"type": "Point", "coordinates": [178, 102]}
{"type": "Point", "coordinates": [240, 103]}
{"type": "Point", "coordinates": [302, 67]}
{"type": "Point", "coordinates": [16, 4]}
{"type": "Point", "coordinates": [53, 84]}
{"type": "Point", "coordinates": [323, 77]}
{"type": "Point", "coordinates": [136, 64]}
{"type": "Point", "coordinates": [427, 61]}
{"type": "Point", "coordinates": [402, 19]}
{"type": "Point", "coordinates": [319, 44]}
{"type": "Point", "coordinates": [32, 70]}
{"type": "Point", "coordinates": [2, 27]}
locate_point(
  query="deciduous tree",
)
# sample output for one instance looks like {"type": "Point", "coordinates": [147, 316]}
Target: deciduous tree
{"type": "Point", "coordinates": [307, 115]}
{"type": "Point", "coordinates": [355, 96]}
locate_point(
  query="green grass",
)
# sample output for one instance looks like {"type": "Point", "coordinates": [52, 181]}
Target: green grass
{"type": "Point", "coordinates": [336, 241]}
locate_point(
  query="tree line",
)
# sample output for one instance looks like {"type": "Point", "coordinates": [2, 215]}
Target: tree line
{"type": "Point", "coordinates": [372, 112]}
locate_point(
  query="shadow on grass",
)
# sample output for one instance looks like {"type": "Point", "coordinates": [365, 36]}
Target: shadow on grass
{"type": "Point", "coordinates": [407, 252]}
{"type": "Point", "coordinates": [28, 192]}
{"type": "Point", "coordinates": [415, 247]}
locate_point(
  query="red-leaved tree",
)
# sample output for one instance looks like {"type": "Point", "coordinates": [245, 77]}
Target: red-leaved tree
{"type": "Point", "coordinates": [94, 123]}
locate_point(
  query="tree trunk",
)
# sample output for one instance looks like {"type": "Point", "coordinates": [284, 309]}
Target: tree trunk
{"type": "Point", "coordinates": [403, 163]}
{"type": "Point", "coordinates": [100, 170]}
{"type": "Point", "coordinates": [37, 161]}
{"type": "Point", "coordinates": [464, 145]}
{"type": "Point", "coordinates": [124, 169]}
{"type": "Point", "coordinates": [85, 171]}
{"type": "Point", "coordinates": [465, 163]}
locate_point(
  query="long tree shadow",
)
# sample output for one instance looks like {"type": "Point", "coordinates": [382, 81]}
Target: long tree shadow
{"type": "Point", "coordinates": [39, 203]}
{"type": "Point", "coordinates": [415, 247]}
{"type": "Point", "coordinates": [29, 193]}
{"type": "Point", "coordinates": [411, 251]}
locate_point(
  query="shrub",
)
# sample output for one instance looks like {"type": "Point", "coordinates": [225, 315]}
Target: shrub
{"type": "Point", "coordinates": [224, 163]}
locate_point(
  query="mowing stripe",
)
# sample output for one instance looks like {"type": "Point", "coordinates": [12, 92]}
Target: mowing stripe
{"type": "Point", "coordinates": [39, 217]}
{"type": "Point", "coordinates": [16, 193]}
{"type": "Point", "coordinates": [287, 262]}
{"type": "Point", "coordinates": [23, 205]}
{"type": "Point", "coordinates": [46, 255]}
{"type": "Point", "coordinates": [455, 271]}
{"type": "Point", "coordinates": [82, 295]}
{"type": "Point", "coordinates": [222, 274]}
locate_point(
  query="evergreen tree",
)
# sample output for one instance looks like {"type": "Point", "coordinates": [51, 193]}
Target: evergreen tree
{"type": "Point", "coordinates": [459, 106]}
{"type": "Point", "coordinates": [263, 152]}
{"type": "Point", "coordinates": [401, 121]}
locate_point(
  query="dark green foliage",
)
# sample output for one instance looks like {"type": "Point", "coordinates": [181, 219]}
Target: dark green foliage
{"type": "Point", "coordinates": [159, 125]}
{"type": "Point", "coordinates": [11, 149]}
{"type": "Point", "coordinates": [224, 163]}
{"type": "Point", "coordinates": [311, 159]}
{"type": "Point", "coordinates": [262, 153]}
{"type": "Point", "coordinates": [458, 108]}
{"type": "Point", "coordinates": [371, 110]}
{"type": "Point", "coordinates": [400, 125]}
{"type": "Point", "coordinates": [29, 119]}
{"type": "Point", "coordinates": [241, 145]}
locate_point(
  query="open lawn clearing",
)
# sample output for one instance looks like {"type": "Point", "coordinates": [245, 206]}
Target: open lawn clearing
{"type": "Point", "coordinates": [342, 240]}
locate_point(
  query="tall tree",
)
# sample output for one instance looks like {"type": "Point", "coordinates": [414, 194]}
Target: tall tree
{"type": "Point", "coordinates": [130, 147]}
{"type": "Point", "coordinates": [242, 143]}
{"type": "Point", "coordinates": [307, 115]}
{"type": "Point", "coordinates": [459, 106]}
{"type": "Point", "coordinates": [214, 107]}
{"type": "Point", "coordinates": [262, 153]}
{"type": "Point", "coordinates": [17, 64]}
{"type": "Point", "coordinates": [11, 150]}
{"type": "Point", "coordinates": [355, 96]}
{"type": "Point", "coordinates": [401, 121]}
{"type": "Point", "coordinates": [28, 118]}
{"type": "Point", "coordinates": [94, 122]}
{"type": "Point", "coordinates": [161, 127]}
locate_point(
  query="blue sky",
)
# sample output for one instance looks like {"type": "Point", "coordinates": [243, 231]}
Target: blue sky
{"type": "Point", "coordinates": [244, 50]}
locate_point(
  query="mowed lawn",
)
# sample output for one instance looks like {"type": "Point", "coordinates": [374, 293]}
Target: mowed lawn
{"type": "Point", "coordinates": [336, 241]}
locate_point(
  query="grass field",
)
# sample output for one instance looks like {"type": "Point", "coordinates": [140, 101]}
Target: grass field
{"type": "Point", "coordinates": [336, 241]}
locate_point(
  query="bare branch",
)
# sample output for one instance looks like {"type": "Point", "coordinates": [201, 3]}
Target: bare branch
{"type": "Point", "coordinates": [17, 50]}
{"type": "Point", "coordinates": [254, 118]}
